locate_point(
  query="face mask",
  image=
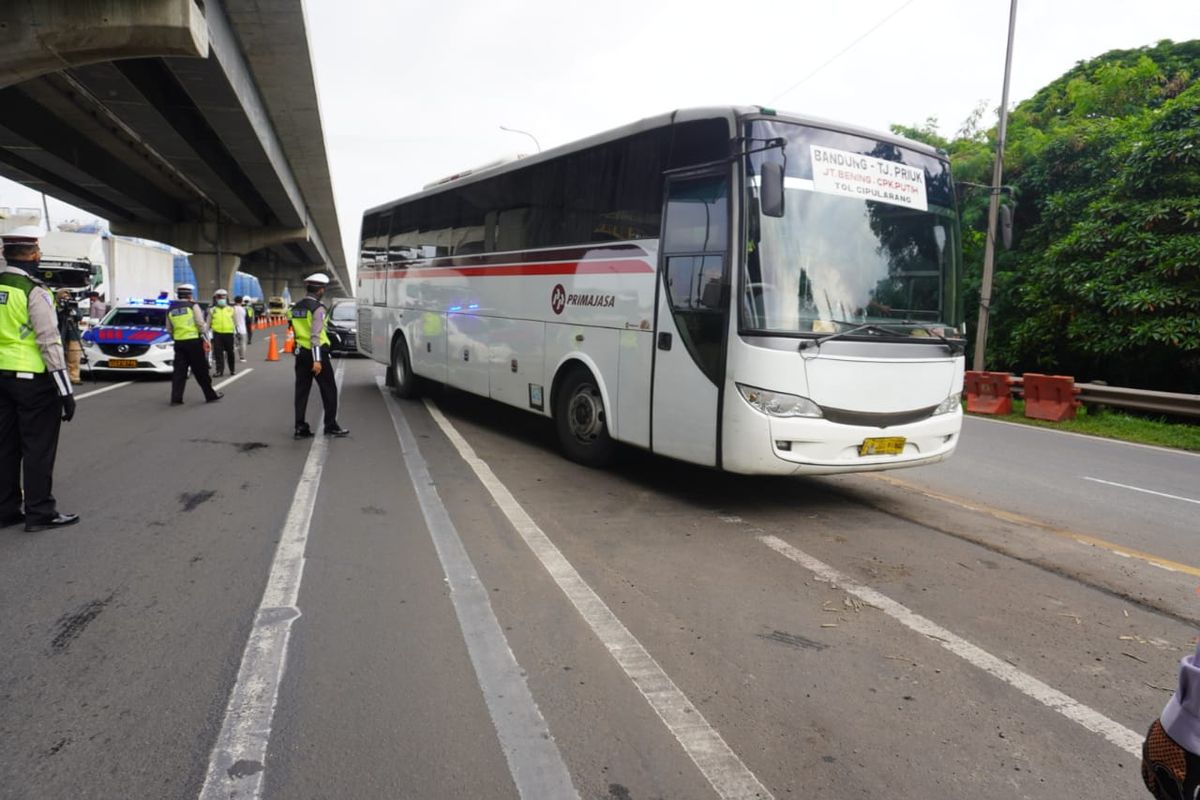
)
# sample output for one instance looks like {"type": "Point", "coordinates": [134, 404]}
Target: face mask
{"type": "Point", "coordinates": [220, 302]}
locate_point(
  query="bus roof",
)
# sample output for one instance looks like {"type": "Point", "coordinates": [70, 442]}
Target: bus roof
{"type": "Point", "coordinates": [646, 124]}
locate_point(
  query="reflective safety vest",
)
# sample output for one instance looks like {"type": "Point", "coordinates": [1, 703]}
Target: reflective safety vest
{"type": "Point", "coordinates": [181, 320]}
{"type": "Point", "coordinates": [302, 315]}
{"type": "Point", "coordinates": [222, 319]}
{"type": "Point", "coordinates": [18, 345]}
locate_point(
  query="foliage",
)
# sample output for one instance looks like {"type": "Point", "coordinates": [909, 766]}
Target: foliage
{"type": "Point", "coordinates": [1104, 168]}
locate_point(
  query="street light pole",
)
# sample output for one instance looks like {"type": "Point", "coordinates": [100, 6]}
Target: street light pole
{"type": "Point", "coordinates": [989, 251]}
{"type": "Point", "coordinates": [526, 133]}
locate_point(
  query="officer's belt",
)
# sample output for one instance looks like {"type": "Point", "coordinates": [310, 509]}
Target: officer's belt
{"type": "Point", "coordinates": [25, 376]}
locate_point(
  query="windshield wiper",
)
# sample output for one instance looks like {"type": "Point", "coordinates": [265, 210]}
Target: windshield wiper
{"type": "Point", "coordinates": [807, 343]}
{"type": "Point", "coordinates": [955, 348]}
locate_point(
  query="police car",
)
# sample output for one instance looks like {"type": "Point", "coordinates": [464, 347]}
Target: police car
{"type": "Point", "coordinates": [131, 338]}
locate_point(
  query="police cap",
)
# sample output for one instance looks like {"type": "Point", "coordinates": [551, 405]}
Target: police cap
{"type": "Point", "coordinates": [317, 279]}
{"type": "Point", "coordinates": [25, 234]}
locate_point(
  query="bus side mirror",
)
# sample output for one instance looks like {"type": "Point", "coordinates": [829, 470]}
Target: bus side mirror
{"type": "Point", "coordinates": [771, 189]}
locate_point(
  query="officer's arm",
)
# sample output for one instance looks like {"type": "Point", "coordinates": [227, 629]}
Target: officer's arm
{"type": "Point", "coordinates": [43, 318]}
{"type": "Point", "coordinates": [201, 323]}
{"type": "Point", "coordinates": [318, 325]}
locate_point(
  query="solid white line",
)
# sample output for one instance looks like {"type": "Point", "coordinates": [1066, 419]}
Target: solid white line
{"type": "Point", "coordinates": [1174, 450]}
{"type": "Point", "coordinates": [237, 761]}
{"type": "Point", "coordinates": [247, 371]}
{"type": "Point", "coordinates": [534, 760]}
{"type": "Point", "coordinates": [1138, 489]}
{"type": "Point", "coordinates": [729, 777]}
{"type": "Point", "coordinates": [102, 391]}
{"type": "Point", "coordinates": [1072, 709]}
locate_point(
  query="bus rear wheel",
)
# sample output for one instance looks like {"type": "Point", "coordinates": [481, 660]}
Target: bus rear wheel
{"type": "Point", "coordinates": [400, 373]}
{"type": "Point", "coordinates": [581, 421]}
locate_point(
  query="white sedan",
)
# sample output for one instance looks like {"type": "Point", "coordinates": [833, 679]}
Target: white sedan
{"type": "Point", "coordinates": [131, 338]}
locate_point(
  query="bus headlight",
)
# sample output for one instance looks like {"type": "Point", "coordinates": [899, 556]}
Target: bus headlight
{"type": "Point", "coordinates": [777, 404]}
{"type": "Point", "coordinates": [949, 404]}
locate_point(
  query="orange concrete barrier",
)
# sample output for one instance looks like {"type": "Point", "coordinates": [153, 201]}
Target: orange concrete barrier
{"type": "Point", "coordinates": [1050, 397]}
{"type": "Point", "coordinates": [272, 349]}
{"type": "Point", "coordinates": [988, 392]}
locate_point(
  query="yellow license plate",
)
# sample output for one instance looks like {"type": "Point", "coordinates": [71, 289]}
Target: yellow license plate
{"type": "Point", "coordinates": [885, 446]}
{"type": "Point", "coordinates": [122, 362]}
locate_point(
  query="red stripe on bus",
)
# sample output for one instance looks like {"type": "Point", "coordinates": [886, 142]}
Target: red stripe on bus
{"type": "Point", "coordinates": [565, 268]}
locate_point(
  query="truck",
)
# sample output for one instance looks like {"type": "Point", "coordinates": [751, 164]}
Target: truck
{"type": "Point", "coordinates": [117, 267]}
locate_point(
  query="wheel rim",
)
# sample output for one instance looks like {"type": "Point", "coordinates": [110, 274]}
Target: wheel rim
{"type": "Point", "coordinates": [585, 414]}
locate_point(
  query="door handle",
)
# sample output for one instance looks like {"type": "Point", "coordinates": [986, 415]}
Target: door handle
{"type": "Point", "coordinates": [664, 341]}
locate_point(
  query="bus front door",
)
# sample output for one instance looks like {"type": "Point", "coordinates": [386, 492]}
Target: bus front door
{"type": "Point", "coordinates": [692, 316]}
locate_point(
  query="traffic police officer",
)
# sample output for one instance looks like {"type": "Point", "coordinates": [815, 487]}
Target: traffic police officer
{"type": "Point", "coordinates": [312, 358]}
{"type": "Point", "coordinates": [220, 322]}
{"type": "Point", "coordinates": [35, 392]}
{"type": "Point", "coordinates": [185, 322]}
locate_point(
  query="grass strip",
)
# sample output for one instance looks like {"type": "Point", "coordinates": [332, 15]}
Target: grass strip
{"type": "Point", "coordinates": [1109, 423]}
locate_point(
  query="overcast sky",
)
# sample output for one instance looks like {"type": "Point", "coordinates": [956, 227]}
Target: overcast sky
{"type": "Point", "coordinates": [415, 90]}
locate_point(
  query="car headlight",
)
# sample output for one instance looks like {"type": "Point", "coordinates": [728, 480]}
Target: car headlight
{"type": "Point", "coordinates": [164, 345]}
{"type": "Point", "coordinates": [948, 405]}
{"type": "Point", "coordinates": [777, 404]}
{"type": "Point", "coordinates": [88, 344]}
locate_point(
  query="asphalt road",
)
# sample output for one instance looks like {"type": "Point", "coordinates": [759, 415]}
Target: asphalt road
{"type": "Point", "coordinates": [475, 617]}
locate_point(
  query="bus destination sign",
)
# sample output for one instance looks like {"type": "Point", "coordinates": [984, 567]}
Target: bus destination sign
{"type": "Point", "coordinates": [853, 175]}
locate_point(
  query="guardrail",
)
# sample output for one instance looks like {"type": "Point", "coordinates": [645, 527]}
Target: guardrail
{"type": "Point", "coordinates": [1100, 394]}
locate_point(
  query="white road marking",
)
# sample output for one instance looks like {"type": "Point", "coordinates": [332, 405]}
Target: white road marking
{"type": "Point", "coordinates": [725, 771]}
{"type": "Point", "coordinates": [1089, 718]}
{"type": "Point", "coordinates": [1138, 489]}
{"type": "Point", "coordinates": [102, 391]}
{"type": "Point", "coordinates": [1174, 450]}
{"type": "Point", "coordinates": [244, 372]}
{"type": "Point", "coordinates": [238, 759]}
{"type": "Point", "coordinates": [534, 760]}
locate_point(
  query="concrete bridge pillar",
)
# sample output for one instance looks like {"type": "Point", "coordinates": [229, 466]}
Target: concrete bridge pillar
{"type": "Point", "coordinates": [211, 274]}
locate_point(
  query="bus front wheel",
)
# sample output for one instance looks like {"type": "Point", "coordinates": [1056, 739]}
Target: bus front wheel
{"type": "Point", "coordinates": [401, 377]}
{"type": "Point", "coordinates": [581, 421]}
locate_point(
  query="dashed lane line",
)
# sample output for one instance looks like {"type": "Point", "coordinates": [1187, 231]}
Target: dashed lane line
{"type": "Point", "coordinates": [95, 392]}
{"type": "Point", "coordinates": [1139, 489]}
{"type": "Point", "coordinates": [724, 770]}
{"type": "Point", "coordinates": [1085, 716]}
{"type": "Point", "coordinates": [238, 759]}
{"type": "Point", "coordinates": [243, 373]}
{"type": "Point", "coordinates": [1029, 522]}
{"type": "Point", "coordinates": [534, 760]}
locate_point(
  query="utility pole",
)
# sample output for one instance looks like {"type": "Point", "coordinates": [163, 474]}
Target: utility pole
{"type": "Point", "coordinates": [989, 251]}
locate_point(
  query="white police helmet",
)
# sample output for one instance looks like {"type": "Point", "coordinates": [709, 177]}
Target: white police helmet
{"type": "Point", "coordinates": [184, 288]}
{"type": "Point", "coordinates": [317, 279]}
{"type": "Point", "coordinates": [220, 293]}
{"type": "Point", "coordinates": [25, 234]}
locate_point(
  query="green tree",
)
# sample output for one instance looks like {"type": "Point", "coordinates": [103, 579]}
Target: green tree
{"type": "Point", "coordinates": [1104, 170]}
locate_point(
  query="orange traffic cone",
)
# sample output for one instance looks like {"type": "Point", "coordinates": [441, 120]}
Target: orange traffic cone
{"type": "Point", "coordinates": [272, 349]}
{"type": "Point", "coordinates": [289, 344]}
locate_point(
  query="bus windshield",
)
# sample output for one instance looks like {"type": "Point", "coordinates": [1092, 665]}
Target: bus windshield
{"type": "Point", "coordinates": [869, 234]}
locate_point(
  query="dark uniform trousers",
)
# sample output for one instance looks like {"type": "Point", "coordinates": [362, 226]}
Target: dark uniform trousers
{"type": "Point", "coordinates": [222, 348]}
{"type": "Point", "coordinates": [190, 353]}
{"type": "Point", "coordinates": [30, 419]}
{"type": "Point", "coordinates": [325, 382]}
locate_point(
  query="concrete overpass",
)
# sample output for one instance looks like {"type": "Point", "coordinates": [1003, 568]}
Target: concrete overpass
{"type": "Point", "coordinates": [191, 122]}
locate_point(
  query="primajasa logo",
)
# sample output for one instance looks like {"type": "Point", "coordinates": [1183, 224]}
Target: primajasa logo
{"type": "Point", "coordinates": [559, 299]}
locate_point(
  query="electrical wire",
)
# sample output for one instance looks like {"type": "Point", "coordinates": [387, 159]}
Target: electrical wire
{"type": "Point", "coordinates": [841, 52]}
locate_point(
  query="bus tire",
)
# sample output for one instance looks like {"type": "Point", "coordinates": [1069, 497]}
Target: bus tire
{"type": "Point", "coordinates": [581, 421]}
{"type": "Point", "coordinates": [400, 373]}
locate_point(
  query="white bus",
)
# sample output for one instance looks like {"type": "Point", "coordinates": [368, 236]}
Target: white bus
{"type": "Point", "coordinates": [734, 287]}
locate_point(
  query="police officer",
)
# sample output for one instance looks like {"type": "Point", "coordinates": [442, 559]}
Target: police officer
{"type": "Point", "coordinates": [312, 358]}
{"type": "Point", "coordinates": [221, 323]}
{"type": "Point", "coordinates": [185, 322]}
{"type": "Point", "coordinates": [35, 392]}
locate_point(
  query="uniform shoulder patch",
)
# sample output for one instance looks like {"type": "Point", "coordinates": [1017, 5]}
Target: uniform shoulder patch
{"type": "Point", "coordinates": [3, 298]}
